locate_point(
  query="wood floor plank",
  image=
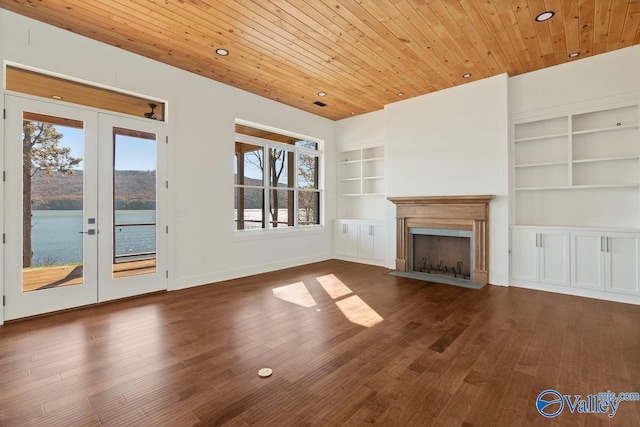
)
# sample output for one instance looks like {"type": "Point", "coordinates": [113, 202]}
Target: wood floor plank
{"type": "Point", "coordinates": [436, 355]}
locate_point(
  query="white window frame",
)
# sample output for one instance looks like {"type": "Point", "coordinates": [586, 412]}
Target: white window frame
{"type": "Point", "coordinates": [294, 150]}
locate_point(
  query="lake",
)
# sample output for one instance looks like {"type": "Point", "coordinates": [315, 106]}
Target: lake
{"type": "Point", "coordinates": [56, 237]}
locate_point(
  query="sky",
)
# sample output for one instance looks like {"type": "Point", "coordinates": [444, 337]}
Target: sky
{"type": "Point", "coordinates": [131, 153]}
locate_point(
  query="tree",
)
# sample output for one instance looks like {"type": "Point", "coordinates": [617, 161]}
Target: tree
{"type": "Point", "coordinates": [277, 159]}
{"type": "Point", "coordinates": [40, 154]}
{"type": "Point", "coordinates": [308, 180]}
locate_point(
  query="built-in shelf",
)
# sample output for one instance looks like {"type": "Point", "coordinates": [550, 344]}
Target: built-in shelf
{"type": "Point", "coordinates": [348, 162]}
{"type": "Point", "coordinates": [535, 165]}
{"type": "Point", "coordinates": [581, 168]}
{"type": "Point", "coordinates": [538, 138]}
{"type": "Point", "coordinates": [361, 172]}
{"type": "Point", "coordinates": [574, 187]}
{"type": "Point", "coordinates": [607, 129]}
{"type": "Point", "coordinates": [606, 159]}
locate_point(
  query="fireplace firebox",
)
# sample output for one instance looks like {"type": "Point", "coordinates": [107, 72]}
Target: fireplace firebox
{"type": "Point", "coordinates": [443, 239]}
{"type": "Point", "coordinates": [441, 252]}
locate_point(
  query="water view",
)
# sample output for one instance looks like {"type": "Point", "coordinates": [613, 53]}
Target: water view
{"type": "Point", "coordinates": [56, 238]}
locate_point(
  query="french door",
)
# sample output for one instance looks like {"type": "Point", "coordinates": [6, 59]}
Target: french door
{"type": "Point", "coordinates": [84, 207]}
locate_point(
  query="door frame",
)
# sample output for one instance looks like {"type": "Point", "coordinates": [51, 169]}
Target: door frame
{"type": "Point", "coordinates": [162, 217]}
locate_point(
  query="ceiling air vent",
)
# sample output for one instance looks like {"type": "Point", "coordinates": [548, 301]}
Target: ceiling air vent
{"type": "Point", "coordinates": [320, 104]}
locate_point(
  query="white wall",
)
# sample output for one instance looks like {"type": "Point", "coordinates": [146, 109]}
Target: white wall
{"type": "Point", "coordinates": [455, 142]}
{"type": "Point", "coordinates": [201, 116]}
{"type": "Point", "coordinates": [576, 84]}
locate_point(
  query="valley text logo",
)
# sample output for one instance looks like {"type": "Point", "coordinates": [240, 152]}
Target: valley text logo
{"type": "Point", "coordinates": [550, 403]}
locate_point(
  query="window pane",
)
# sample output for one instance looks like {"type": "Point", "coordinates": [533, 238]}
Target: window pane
{"type": "Point", "coordinates": [307, 144]}
{"type": "Point", "coordinates": [249, 164]}
{"type": "Point", "coordinates": [281, 208]}
{"type": "Point", "coordinates": [307, 171]}
{"type": "Point", "coordinates": [308, 208]}
{"type": "Point", "coordinates": [280, 162]}
{"type": "Point", "coordinates": [249, 204]}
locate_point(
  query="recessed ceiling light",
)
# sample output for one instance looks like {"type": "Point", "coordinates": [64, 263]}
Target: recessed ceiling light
{"type": "Point", "coordinates": [400, 94]}
{"type": "Point", "coordinates": [322, 93]}
{"type": "Point", "coordinates": [353, 113]}
{"type": "Point", "coordinates": [466, 75]}
{"type": "Point", "coordinates": [222, 52]}
{"type": "Point", "coordinates": [574, 54]}
{"type": "Point", "coordinates": [545, 16]}
{"type": "Point", "coordinates": [58, 97]}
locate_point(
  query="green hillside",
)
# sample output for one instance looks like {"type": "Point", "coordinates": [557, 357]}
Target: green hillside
{"type": "Point", "coordinates": [133, 190]}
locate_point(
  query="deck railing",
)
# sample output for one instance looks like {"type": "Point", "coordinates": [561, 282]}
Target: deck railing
{"type": "Point", "coordinates": [135, 256]}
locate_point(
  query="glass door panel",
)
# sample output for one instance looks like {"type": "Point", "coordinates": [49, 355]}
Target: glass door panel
{"type": "Point", "coordinates": [53, 193]}
{"type": "Point", "coordinates": [134, 202]}
{"type": "Point", "coordinates": [50, 207]}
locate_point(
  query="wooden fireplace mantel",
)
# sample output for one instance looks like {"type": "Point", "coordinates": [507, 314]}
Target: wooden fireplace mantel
{"type": "Point", "coordinates": [469, 212]}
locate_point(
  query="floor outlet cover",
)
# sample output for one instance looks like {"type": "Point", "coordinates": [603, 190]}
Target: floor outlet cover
{"type": "Point", "coordinates": [265, 372]}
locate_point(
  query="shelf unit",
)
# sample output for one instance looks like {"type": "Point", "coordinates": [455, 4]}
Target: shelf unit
{"type": "Point", "coordinates": [361, 172]}
{"type": "Point", "coordinates": [578, 169]}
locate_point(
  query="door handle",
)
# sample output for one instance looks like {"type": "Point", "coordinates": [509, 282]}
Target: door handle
{"type": "Point", "coordinates": [90, 232]}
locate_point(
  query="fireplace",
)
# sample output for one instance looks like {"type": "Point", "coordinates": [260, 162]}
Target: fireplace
{"type": "Point", "coordinates": [443, 239]}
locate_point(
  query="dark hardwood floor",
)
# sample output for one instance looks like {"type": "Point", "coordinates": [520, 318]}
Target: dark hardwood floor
{"type": "Point", "coordinates": [348, 345]}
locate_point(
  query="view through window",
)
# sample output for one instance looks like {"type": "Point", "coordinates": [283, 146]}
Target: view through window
{"type": "Point", "coordinates": [276, 180]}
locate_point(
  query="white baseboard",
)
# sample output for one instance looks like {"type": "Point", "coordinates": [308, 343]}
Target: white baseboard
{"type": "Point", "coordinates": [219, 276]}
{"type": "Point", "coordinates": [586, 293]}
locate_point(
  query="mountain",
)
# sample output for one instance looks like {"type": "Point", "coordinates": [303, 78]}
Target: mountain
{"type": "Point", "coordinates": [133, 190]}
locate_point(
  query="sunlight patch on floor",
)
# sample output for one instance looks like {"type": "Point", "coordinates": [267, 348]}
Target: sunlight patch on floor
{"type": "Point", "coordinates": [359, 312]}
{"type": "Point", "coordinates": [333, 286]}
{"type": "Point", "coordinates": [296, 293]}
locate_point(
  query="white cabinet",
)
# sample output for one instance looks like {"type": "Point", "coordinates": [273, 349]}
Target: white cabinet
{"type": "Point", "coordinates": [596, 263]}
{"type": "Point", "coordinates": [345, 238]}
{"type": "Point", "coordinates": [539, 255]}
{"type": "Point", "coordinates": [360, 240]}
{"type": "Point", "coordinates": [371, 241]}
{"type": "Point", "coordinates": [606, 261]}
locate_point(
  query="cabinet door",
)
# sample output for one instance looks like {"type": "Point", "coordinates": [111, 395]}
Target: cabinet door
{"type": "Point", "coordinates": [587, 260]}
{"type": "Point", "coordinates": [524, 255]}
{"type": "Point", "coordinates": [340, 238]}
{"type": "Point", "coordinates": [345, 239]}
{"type": "Point", "coordinates": [622, 259]}
{"type": "Point", "coordinates": [379, 243]}
{"type": "Point", "coordinates": [371, 241]}
{"type": "Point", "coordinates": [554, 257]}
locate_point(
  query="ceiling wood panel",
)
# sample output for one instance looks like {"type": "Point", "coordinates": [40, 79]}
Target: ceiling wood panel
{"type": "Point", "coordinates": [363, 54]}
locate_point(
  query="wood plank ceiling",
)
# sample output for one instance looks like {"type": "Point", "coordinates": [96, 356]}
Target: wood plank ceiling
{"type": "Point", "coordinates": [362, 53]}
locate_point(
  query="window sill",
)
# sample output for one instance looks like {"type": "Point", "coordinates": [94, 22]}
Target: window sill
{"type": "Point", "coordinates": [278, 233]}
